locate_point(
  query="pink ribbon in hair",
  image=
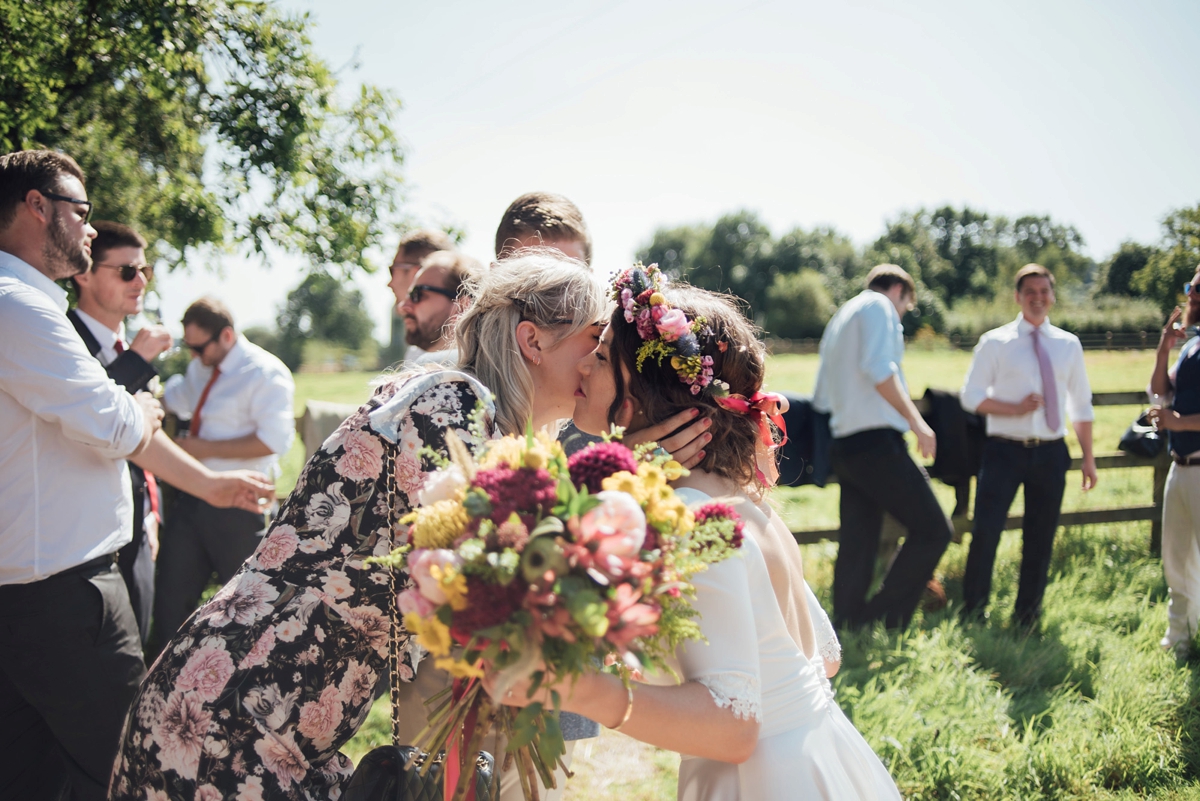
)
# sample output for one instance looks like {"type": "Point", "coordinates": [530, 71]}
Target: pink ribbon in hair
{"type": "Point", "coordinates": [761, 407]}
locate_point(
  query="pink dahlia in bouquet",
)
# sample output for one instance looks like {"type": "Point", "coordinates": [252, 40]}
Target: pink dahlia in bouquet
{"type": "Point", "coordinates": [543, 567]}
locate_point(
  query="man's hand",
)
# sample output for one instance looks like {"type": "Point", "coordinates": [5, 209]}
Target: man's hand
{"type": "Point", "coordinates": [151, 342]}
{"type": "Point", "coordinates": [1165, 419]}
{"type": "Point", "coordinates": [926, 439]}
{"type": "Point", "coordinates": [1030, 403]}
{"type": "Point", "coordinates": [240, 489]}
{"type": "Point", "coordinates": [1171, 335]}
{"type": "Point", "coordinates": [152, 410]}
{"type": "Point", "coordinates": [1090, 476]}
{"type": "Point", "coordinates": [685, 447]}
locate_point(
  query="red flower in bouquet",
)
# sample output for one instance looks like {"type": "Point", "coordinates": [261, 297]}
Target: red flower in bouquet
{"type": "Point", "coordinates": [628, 619]}
{"type": "Point", "coordinates": [722, 510]}
{"type": "Point", "coordinates": [522, 490]}
{"type": "Point", "coordinates": [597, 462]}
{"type": "Point", "coordinates": [490, 605]}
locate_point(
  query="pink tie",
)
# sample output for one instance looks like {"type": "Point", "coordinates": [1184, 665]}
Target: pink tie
{"type": "Point", "coordinates": [1049, 385]}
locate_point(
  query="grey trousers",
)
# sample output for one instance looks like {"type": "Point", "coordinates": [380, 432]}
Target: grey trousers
{"type": "Point", "coordinates": [70, 662]}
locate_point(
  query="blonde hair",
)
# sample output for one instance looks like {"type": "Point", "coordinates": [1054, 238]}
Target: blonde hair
{"type": "Point", "coordinates": [550, 290]}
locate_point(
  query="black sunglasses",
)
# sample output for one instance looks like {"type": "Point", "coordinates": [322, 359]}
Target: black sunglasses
{"type": "Point", "coordinates": [87, 215]}
{"type": "Point", "coordinates": [130, 271]}
{"type": "Point", "coordinates": [199, 349]}
{"type": "Point", "coordinates": [416, 294]}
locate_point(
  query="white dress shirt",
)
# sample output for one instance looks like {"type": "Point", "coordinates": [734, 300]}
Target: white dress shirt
{"type": "Point", "coordinates": [107, 337]}
{"type": "Point", "coordinates": [1005, 367]}
{"type": "Point", "coordinates": [252, 395]}
{"type": "Point", "coordinates": [65, 430]}
{"type": "Point", "coordinates": [862, 347]}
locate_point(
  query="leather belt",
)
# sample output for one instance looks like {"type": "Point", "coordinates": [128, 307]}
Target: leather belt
{"type": "Point", "coordinates": [1185, 461]}
{"type": "Point", "coordinates": [98, 563]}
{"type": "Point", "coordinates": [1031, 442]}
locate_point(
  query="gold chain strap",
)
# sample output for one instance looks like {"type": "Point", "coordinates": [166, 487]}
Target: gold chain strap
{"type": "Point", "coordinates": [389, 467]}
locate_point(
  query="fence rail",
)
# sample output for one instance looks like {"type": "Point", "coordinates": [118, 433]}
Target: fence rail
{"type": "Point", "coordinates": [1109, 461]}
{"type": "Point", "coordinates": [1108, 340]}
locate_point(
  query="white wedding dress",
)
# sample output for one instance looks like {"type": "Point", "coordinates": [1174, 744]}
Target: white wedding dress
{"type": "Point", "coordinates": [807, 748]}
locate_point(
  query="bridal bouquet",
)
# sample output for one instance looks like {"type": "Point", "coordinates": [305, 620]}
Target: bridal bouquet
{"type": "Point", "coordinates": [542, 567]}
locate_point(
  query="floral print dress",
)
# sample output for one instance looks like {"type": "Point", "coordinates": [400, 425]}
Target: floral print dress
{"type": "Point", "coordinates": [260, 688]}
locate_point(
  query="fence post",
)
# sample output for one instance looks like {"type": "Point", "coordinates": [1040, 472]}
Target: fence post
{"type": "Point", "coordinates": [1162, 466]}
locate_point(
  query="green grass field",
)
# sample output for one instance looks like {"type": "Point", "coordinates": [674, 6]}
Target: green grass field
{"type": "Point", "coordinates": [1086, 707]}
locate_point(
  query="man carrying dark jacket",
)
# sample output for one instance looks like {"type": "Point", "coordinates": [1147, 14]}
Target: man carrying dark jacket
{"type": "Point", "coordinates": [111, 290]}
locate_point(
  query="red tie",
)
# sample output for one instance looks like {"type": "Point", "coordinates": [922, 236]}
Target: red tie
{"type": "Point", "coordinates": [194, 429]}
{"type": "Point", "coordinates": [119, 347]}
{"type": "Point", "coordinates": [152, 492]}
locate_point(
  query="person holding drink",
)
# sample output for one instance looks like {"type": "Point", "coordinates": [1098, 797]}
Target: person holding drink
{"type": "Point", "coordinates": [1177, 412]}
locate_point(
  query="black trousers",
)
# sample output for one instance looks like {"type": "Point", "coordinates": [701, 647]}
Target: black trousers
{"type": "Point", "coordinates": [70, 662]}
{"type": "Point", "coordinates": [198, 540]}
{"type": "Point", "coordinates": [877, 475]}
{"type": "Point", "coordinates": [136, 563]}
{"type": "Point", "coordinates": [1006, 466]}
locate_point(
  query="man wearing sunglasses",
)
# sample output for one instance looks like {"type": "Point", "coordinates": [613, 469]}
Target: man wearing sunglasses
{"type": "Point", "coordinates": [435, 299]}
{"type": "Point", "coordinates": [70, 656]}
{"type": "Point", "coordinates": [109, 292]}
{"type": "Point", "coordinates": [238, 398]}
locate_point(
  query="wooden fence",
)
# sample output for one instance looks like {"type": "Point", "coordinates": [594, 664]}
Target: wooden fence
{"type": "Point", "coordinates": [1111, 461]}
{"type": "Point", "coordinates": [1109, 340]}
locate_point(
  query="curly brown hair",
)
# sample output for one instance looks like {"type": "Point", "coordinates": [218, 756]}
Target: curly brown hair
{"type": "Point", "coordinates": [733, 452]}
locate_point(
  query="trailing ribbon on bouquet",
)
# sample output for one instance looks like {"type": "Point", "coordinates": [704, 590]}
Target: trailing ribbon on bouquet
{"type": "Point", "coordinates": [459, 753]}
{"type": "Point", "coordinates": [763, 408]}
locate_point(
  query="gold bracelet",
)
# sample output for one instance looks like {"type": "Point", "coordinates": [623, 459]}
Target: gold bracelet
{"type": "Point", "coordinates": [628, 709]}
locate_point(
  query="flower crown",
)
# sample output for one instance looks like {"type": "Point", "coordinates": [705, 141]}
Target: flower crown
{"type": "Point", "coordinates": [667, 332]}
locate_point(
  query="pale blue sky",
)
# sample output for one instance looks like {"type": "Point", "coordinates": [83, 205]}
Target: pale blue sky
{"type": "Point", "coordinates": [650, 113]}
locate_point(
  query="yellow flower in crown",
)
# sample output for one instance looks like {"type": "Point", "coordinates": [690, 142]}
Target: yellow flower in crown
{"type": "Point", "coordinates": [452, 583]}
{"type": "Point", "coordinates": [459, 669]}
{"type": "Point", "coordinates": [437, 525]}
{"type": "Point", "coordinates": [431, 633]}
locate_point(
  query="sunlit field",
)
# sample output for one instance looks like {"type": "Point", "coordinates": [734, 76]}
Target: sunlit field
{"type": "Point", "coordinates": [1085, 707]}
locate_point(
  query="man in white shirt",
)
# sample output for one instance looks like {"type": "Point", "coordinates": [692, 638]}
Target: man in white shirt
{"type": "Point", "coordinates": [861, 385]}
{"type": "Point", "coordinates": [110, 291]}
{"type": "Point", "coordinates": [1024, 376]}
{"type": "Point", "coordinates": [413, 247]}
{"type": "Point", "coordinates": [238, 399]}
{"type": "Point", "coordinates": [70, 659]}
{"type": "Point", "coordinates": [437, 296]}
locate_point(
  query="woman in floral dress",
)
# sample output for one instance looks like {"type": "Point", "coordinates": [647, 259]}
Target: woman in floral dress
{"type": "Point", "coordinates": [260, 688]}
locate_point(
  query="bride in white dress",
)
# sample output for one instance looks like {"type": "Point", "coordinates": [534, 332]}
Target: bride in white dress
{"type": "Point", "coordinates": [755, 717]}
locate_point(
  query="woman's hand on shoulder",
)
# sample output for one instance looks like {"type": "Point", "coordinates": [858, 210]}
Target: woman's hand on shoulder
{"type": "Point", "coordinates": [686, 446]}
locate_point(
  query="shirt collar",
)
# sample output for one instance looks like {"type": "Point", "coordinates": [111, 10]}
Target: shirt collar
{"type": "Point", "coordinates": [1026, 327]}
{"type": "Point", "coordinates": [26, 273]}
{"type": "Point", "coordinates": [236, 356]}
{"type": "Point", "coordinates": [104, 335]}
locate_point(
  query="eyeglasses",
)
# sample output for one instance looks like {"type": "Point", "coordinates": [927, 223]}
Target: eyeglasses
{"type": "Point", "coordinates": [417, 293]}
{"type": "Point", "coordinates": [199, 349]}
{"type": "Point", "coordinates": [86, 215]}
{"type": "Point", "coordinates": [130, 271]}
{"type": "Point", "coordinates": [1187, 288]}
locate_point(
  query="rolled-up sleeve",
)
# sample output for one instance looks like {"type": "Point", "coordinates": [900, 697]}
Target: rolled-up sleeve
{"type": "Point", "coordinates": [981, 375]}
{"type": "Point", "coordinates": [1079, 389]}
{"type": "Point", "coordinates": [271, 409]}
{"type": "Point", "coordinates": [878, 334]}
{"type": "Point", "coordinates": [45, 367]}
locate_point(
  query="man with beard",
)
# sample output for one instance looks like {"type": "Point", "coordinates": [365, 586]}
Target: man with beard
{"type": "Point", "coordinates": [1024, 376]}
{"type": "Point", "coordinates": [414, 247]}
{"type": "Point", "coordinates": [70, 659]}
{"type": "Point", "coordinates": [436, 298]}
{"type": "Point", "coordinates": [109, 292]}
{"type": "Point", "coordinates": [1179, 415]}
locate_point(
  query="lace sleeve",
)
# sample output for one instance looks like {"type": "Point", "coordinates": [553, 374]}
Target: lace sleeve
{"type": "Point", "coordinates": [828, 645]}
{"type": "Point", "coordinates": [737, 691]}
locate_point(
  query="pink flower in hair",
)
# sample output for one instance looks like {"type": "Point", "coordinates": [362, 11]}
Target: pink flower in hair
{"type": "Point", "coordinates": [673, 325]}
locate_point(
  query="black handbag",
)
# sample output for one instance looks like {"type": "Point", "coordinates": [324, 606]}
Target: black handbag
{"type": "Point", "coordinates": [381, 776]}
{"type": "Point", "coordinates": [1141, 438]}
{"type": "Point", "coordinates": [385, 773]}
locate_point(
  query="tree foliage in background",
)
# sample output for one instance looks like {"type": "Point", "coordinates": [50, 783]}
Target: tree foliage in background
{"type": "Point", "coordinates": [202, 121]}
{"type": "Point", "coordinates": [1117, 273]}
{"type": "Point", "coordinates": [320, 309]}
{"type": "Point", "coordinates": [1174, 262]}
